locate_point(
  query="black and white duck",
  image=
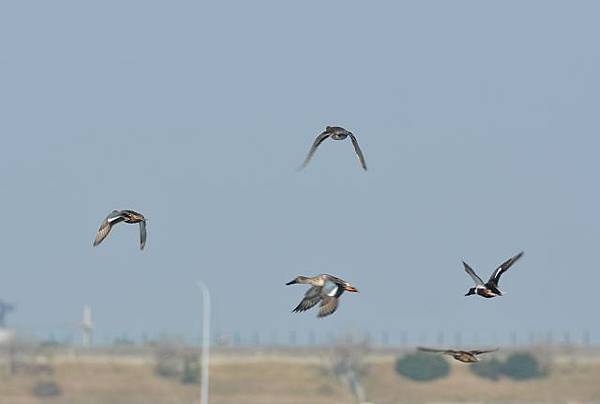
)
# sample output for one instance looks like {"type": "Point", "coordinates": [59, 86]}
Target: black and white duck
{"type": "Point", "coordinates": [490, 289]}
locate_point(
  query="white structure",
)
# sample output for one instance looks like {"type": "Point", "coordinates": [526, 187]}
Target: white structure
{"type": "Point", "coordinates": [205, 342]}
{"type": "Point", "coordinates": [6, 336]}
{"type": "Point", "coordinates": [86, 327]}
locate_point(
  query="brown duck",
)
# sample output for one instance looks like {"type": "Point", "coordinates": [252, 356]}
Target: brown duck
{"type": "Point", "coordinates": [326, 289]}
{"type": "Point", "coordinates": [461, 356]}
{"type": "Point", "coordinates": [118, 216]}
{"type": "Point", "coordinates": [336, 133]}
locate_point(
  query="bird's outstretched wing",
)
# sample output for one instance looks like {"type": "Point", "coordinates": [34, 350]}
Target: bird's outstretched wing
{"type": "Point", "coordinates": [329, 305]}
{"type": "Point", "coordinates": [311, 298]}
{"type": "Point", "coordinates": [446, 351]}
{"type": "Point", "coordinates": [333, 279]}
{"type": "Point", "coordinates": [495, 278]}
{"type": "Point", "coordinates": [482, 351]}
{"type": "Point", "coordinates": [361, 157]}
{"type": "Point", "coordinates": [113, 218]}
{"type": "Point", "coordinates": [314, 146]}
{"type": "Point", "coordinates": [478, 281]}
{"type": "Point", "coordinates": [142, 234]}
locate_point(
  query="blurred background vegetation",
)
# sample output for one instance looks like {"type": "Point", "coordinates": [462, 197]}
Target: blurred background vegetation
{"type": "Point", "coordinates": [350, 369]}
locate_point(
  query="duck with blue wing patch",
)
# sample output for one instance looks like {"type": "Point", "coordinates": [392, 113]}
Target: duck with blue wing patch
{"type": "Point", "coordinates": [325, 289]}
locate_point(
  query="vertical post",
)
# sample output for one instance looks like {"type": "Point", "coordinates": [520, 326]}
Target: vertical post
{"type": "Point", "coordinates": [549, 338]}
{"type": "Point", "coordinates": [205, 342]}
{"type": "Point", "coordinates": [385, 338]}
{"type": "Point", "coordinates": [292, 338]}
{"type": "Point", "coordinates": [586, 338]}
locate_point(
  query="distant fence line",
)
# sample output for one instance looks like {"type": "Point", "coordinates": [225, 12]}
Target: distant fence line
{"type": "Point", "coordinates": [380, 339]}
{"type": "Point", "coordinates": [404, 338]}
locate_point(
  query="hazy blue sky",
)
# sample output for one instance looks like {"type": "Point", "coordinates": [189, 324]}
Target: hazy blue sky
{"type": "Point", "coordinates": [478, 120]}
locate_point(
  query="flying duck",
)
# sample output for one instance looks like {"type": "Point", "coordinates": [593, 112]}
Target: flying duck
{"type": "Point", "coordinates": [117, 216]}
{"type": "Point", "coordinates": [490, 288]}
{"type": "Point", "coordinates": [335, 133]}
{"type": "Point", "coordinates": [461, 356]}
{"type": "Point", "coordinates": [325, 289]}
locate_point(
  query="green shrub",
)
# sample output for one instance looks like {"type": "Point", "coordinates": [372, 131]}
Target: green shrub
{"type": "Point", "coordinates": [522, 366]}
{"type": "Point", "coordinates": [422, 367]}
{"type": "Point", "coordinates": [169, 361]}
{"type": "Point", "coordinates": [46, 389]}
{"type": "Point", "coordinates": [517, 366]}
{"type": "Point", "coordinates": [488, 369]}
{"type": "Point", "coordinates": [168, 364]}
{"type": "Point", "coordinates": [191, 373]}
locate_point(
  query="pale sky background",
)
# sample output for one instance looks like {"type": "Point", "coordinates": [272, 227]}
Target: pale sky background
{"type": "Point", "coordinates": [478, 120]}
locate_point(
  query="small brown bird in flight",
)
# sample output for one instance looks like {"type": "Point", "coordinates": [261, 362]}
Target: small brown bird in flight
{"type": "Point", "coordinates": [335, 133]}
{"type": "Point", "coordinates": [461, 356]}
{"type": "Point", "coordinates": [117, 216]}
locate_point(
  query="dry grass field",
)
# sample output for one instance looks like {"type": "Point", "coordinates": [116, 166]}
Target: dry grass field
{"type": "Point", "coordinates": [565, 384]}
{"type": "Point", "coordinates": [131, 382]}
{"type": "Point", "coordinates": [290, 379]}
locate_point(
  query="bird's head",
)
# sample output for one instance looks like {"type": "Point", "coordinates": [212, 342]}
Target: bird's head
{"type": "Point", "coordinates": [471, 292]}
{"type": "Point", "coordinates": [298, 279]}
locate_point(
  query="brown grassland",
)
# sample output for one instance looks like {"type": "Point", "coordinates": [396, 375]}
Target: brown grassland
{"type": "Point", "coordinates": [293, 379]}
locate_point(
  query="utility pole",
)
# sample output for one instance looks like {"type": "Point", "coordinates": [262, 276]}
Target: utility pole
{"type": "Point", "coordinates": [204, 380]}
{"type": "Point", "coordinates": [5, 308]}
